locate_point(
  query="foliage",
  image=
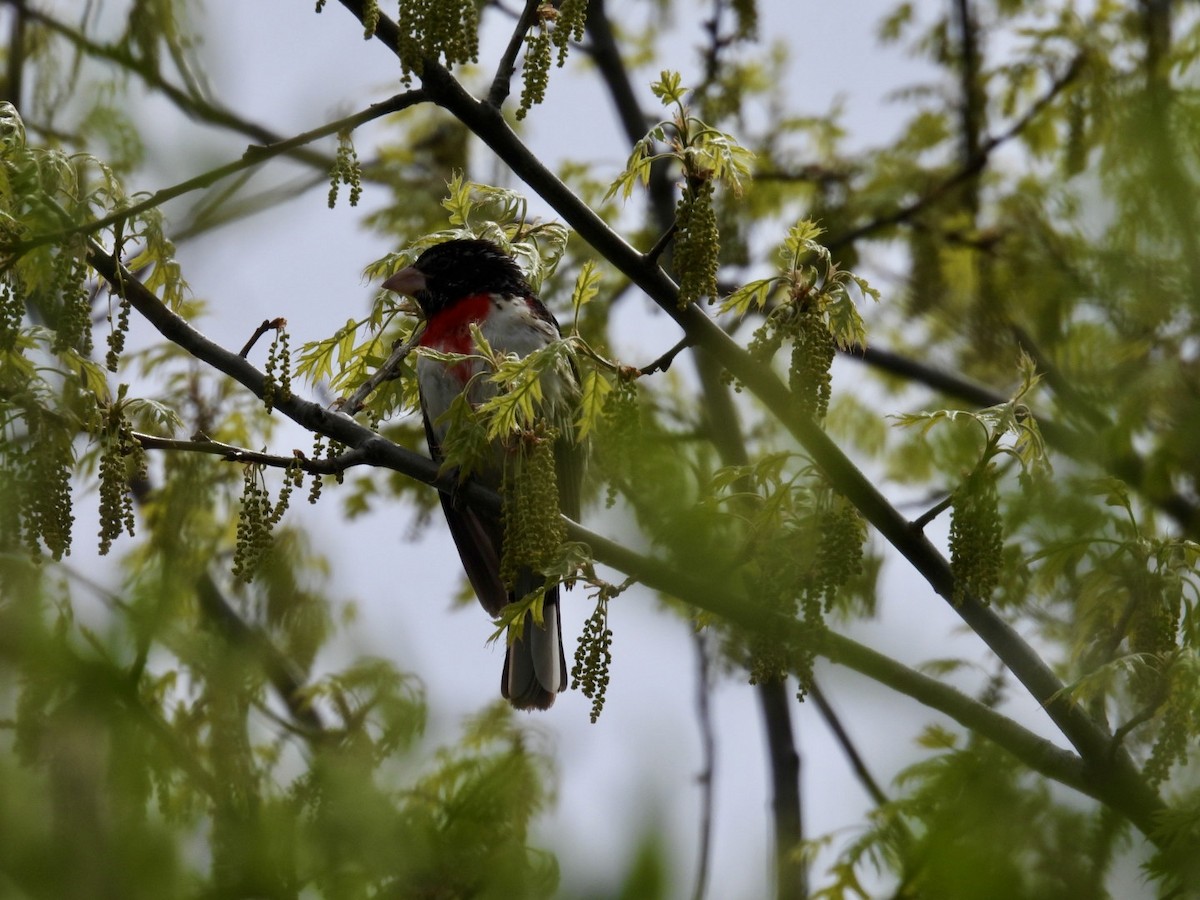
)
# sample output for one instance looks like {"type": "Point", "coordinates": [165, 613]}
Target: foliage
{"type": "Point", "coordinates": [1036, 307]}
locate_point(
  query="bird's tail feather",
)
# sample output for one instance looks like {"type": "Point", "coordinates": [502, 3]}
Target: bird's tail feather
{"type": "Point", "coordinates": [535, 667]}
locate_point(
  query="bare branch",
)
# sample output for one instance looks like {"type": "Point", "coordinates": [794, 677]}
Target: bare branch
{"type": "Point", "coordinates": [708, 753]}
{"type": "Point", "coordinates": [791, 873]}
{"type": "Point", "coordinates": [502, 82]}
{"type": "Point", "coordinates": [664, 362]}
{"type": "Point", "coordinates": [267, 325]}
{"type": "Point", "coordinates": [386, 372]}
{"type": "Point", "coordinates": [857, 763]}
{"type": "Point", "coordinates": [332, 466]}
{"type": "Point", "coordinates": [188, 101]}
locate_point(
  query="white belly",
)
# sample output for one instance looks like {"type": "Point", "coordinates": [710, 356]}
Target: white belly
{"type": "Point", "coordinates": [510, 328]}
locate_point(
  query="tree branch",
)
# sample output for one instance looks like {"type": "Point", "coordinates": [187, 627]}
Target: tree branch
{"type": "Point", "coordinates": [791, 876]}
{"type": "Point", "coordinates": [1079, 445]}
{"type": "Point", "coordinates": [502, 82]}
{"type": "Point", "coordinates": [228, 452]}
{"type": "Point", "coordinates": [1089, 737]}
{"type": "Point", "coordinates": [857, 763]}
{"type": "Point", "coordinates": [725, 601]}
{"type": "Point", "coordinates": [969, 170]}
{"type": "Point", "coordinates": [708, 753]}
{"type": "Point", "coordinates": [253, 156]}
{"type": "Point", "coordinates": [187, 101]}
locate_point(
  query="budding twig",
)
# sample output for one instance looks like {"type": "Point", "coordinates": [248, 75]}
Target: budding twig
{"type": "Point", "coordinates": [277, 323]}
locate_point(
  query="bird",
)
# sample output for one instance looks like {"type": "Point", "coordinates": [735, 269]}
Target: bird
{"type": "Point", "coordinates": [457, 284]}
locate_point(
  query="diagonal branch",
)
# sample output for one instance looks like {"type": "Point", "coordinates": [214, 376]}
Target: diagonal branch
{"type": "Point", "coordinates": [969, 170]}
{"type": "Point", "coordinates": [254, 155]}
{"type": "Point", "coordinates": [502, 83]}
{"type": "Point", "coordinates": [1089, 736]}
{"type": "Point", "coordinates": [728, 602]}
{"type": "Point", "coordinates": [192, 105]}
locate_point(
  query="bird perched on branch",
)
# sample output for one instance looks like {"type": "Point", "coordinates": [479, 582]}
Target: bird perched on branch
{"type": "Point", "coordinates": [458, 284]}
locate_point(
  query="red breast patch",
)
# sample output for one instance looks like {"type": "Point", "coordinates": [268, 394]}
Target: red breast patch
{"type": "Point", "coordinates": [449, 330]}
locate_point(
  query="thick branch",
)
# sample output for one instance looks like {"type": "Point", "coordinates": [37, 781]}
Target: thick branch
{"type": "Point", "coordinates": [1090, 738]}
{"type": "Point", "coordinates": [722, 600]}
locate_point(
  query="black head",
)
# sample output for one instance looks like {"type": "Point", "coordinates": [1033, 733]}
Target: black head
{"type": "Point", "coordinates": [446, 273]}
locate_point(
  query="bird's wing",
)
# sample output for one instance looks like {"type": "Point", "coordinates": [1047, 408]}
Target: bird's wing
{"type": "Point", "coordinates": [477, 537]}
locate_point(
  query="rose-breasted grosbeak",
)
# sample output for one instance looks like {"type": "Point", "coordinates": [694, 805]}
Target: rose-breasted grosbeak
{"type": "Point", "coordinates": [473, 282]}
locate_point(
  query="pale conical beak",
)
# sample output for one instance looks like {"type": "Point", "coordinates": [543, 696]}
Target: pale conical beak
{"type": "Point", "coordinates": [410, 281]}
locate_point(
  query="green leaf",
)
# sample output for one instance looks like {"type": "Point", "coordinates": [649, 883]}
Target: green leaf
{"type": "Point", "coordinates": [753, 295]}
{"type": "Point", "coordinates": [593, 392]}
{"type": "Point", "coordinates": [587, 286]}
{"type": "Point", "coordinates": [669, 87]}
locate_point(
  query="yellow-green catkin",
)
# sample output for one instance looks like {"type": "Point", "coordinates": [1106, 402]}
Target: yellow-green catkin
{"type": "Point", "coordinates": [569, 26]}
{"type": "Point", "coordinates": [697, 242]}
{"type": "Point", "coordinates": [976, 536]}
{"type": "Point", "coordinates": [254, 525]}
{"type": "Point", "coordinates": [780, 569]}
{"type": "Point", "coordinates": [813, 350]}
{"type": "Point", "coordinates": [430, 29]}
{"type": "Point", "coordinates": [277, 383]}
{"type": "Point", "coordinates": [121, 460]}
{"type": "Point", "coordinates": [839, 550]}
{"type": "Point", "coordinates": [533, 526]}
{"type": "Point", "coordinates": [618, 435]}
{"type": "Point", "coordinates": [346, 170]}
{"type": "Point", "coordinates": [1176, 721]}
{"type": "Point", "coordinates": [776, 580]}
{"type": "Point", "coordinates": [593, 659]}
{"type": "Point", "coordinates": [1154, 618]}
{"type": "Point", "coordinates": [535, 74]}
{"type": "Point", "coordinates": [370, 18]}
{"type": "Point", "coordinates": [12, 311]}
{"type": "Point", "coordinates": [318, 481]}
{"type": "Point", "coordinates": [117, 330]}
{"type": "Point", "coordinates": [47, 510]}
{"type": "Point", "coordinates": [74, 327]}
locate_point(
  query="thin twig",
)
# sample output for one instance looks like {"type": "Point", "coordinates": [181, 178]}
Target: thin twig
{"type": "Point", "coordinates": [660, 246]}
{"type": "Point", "coordinates": [332, 466]}
{"type": "Point", "coordinates": [929, 515]}
{"type": "Point", "coordinates": [254, 155]}
{"type": "Point", "coordinates": [386, 372]}
{"type": "Point", "coordinates": [188, 101]}
{"type": "Point", "coordinates": [708, 756]}
{"type": "Point", "coordinates": [966, 172]}
{"type": "Point", "coordinates": [664, 362]}
{"type": "Point", "coordinates": [267, 324]}
{"type": "Point", "coordinates": [834, 723]}
{"type": "Point", "coordinates": [502, 83]}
